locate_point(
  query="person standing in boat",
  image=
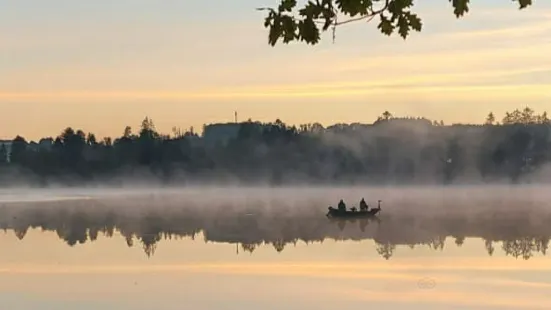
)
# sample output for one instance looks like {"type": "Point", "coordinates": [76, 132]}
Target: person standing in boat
{"type": "Point", "coordinates": [363, 205]}
{"type": "Point", "coordinates": [342, 206]}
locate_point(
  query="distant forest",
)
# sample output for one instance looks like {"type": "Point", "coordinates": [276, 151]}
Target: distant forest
{"type": "Point", "coordinates": [391, 150]}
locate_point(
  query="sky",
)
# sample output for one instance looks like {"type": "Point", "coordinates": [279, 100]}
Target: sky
{"type": "Point", "coordinates": [101, 65]}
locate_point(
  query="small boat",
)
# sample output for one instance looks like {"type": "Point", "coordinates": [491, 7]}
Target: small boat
{"type": "Point", "coordinates": [333, 212]}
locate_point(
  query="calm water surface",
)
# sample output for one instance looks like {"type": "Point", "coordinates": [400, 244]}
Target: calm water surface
{"type": "Point", "coordinates": [468, 249]}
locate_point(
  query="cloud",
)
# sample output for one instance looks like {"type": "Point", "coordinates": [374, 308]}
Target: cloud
{"type": "Point", "coordinates": [389, 91]}
{"type": "Point", "coordinates": [467, 59]}
{"type": "Point", "coordinates": [522, 31]}
{"type": "Point", "coordinates": [499, 72]}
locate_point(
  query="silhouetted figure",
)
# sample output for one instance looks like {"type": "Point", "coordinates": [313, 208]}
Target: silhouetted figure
{"type": "Point", "coordinates": [363, 205]}
{"type": "Point", "coordinates": [342, 206]}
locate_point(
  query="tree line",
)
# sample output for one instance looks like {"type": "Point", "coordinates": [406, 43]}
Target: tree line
{"type": "Point", "coordinates": [391, 150]}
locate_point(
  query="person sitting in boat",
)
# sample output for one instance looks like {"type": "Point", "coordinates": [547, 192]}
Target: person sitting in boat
{"type": "Point", "coordinates": [363, 205]}
{"type": "Point", "coordinates": [342, 206]}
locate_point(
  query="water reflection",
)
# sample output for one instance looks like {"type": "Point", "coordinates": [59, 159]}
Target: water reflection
{"type": "Point", "coordinates": [518, 234]}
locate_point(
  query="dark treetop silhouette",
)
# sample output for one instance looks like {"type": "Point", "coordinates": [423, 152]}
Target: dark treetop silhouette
{"type": "Point", "coordinates": [288, 23]}
{"type": "Point", "coordinates": [389, 151]}
{"type": "Point", "coordinates": [76, 222]}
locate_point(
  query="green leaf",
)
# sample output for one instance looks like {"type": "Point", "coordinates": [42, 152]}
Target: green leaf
{"type": "Point", "coordinates": [267, 21]}
{"type": "Point", "coordinates": [403, 26]}
{"type": "Point", "coordinates": [524, 3]}
{"type": "Point", "coordinates": [460, 7]}
{"type": "Point", "coordinates": [414, 21]}
{"type": "Point", "coordinates": [275, 33]}
{"type": "Point", "coordinates": [308, 31]}
{"type": "Point", "coordinates": [385, 25]}
{"type": "Point", "coordinates": [354, 7]}
{"type": "Point", "coordinates": [289, 27]}
{"type": "Point", "coordinates": [287, 5]}
{"type": "Point", "coordinates": [311, 10]}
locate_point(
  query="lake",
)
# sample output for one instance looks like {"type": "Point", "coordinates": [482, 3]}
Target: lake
{"type": "Point", "coordinates": [466, 247]}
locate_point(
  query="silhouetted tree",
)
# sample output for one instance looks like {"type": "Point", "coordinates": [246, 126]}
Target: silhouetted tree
{"type": "Point", "coordinates": [18, 150]}
{"type": "Point", "coordinates": [490, 119]}
{"type": "Point", "coordinates": [387, 115]}
{"type": "Point", "coordinates": [3, 154]}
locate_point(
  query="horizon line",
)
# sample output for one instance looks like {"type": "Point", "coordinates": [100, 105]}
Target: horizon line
{"type": "Point", "coordinates": [200, 132]}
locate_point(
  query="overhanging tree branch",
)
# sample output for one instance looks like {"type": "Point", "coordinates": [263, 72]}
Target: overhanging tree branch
{"type": "Point", "coordinates": [288, 23]}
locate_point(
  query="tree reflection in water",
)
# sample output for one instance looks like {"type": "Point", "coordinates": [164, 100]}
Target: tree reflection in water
{"type": "Point", "coordinates": [520, 237]}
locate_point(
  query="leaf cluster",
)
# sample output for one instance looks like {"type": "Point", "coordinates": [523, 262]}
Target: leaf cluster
{"type": "Point", "coordinates": [290, 23]}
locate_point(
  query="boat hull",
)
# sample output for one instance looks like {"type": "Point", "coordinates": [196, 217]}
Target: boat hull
{"type": "Point", "coordinates": [352, 214]}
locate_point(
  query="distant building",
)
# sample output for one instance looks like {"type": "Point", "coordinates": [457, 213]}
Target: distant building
{"type": "Point", "coordinates": [6, 144]}
{"type": "Point", "coordinates": [215, 134]}
{"type": "Point", "coordinates": [45, 144]}
{"type": "Point", "coordinates": [404, 123]}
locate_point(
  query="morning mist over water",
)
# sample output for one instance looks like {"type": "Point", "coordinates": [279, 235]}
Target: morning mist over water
{"type": "Point", "coordinates": [515, 216]}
